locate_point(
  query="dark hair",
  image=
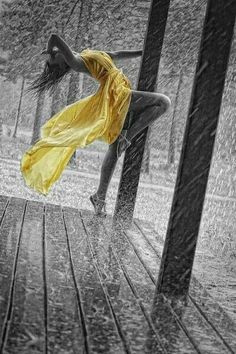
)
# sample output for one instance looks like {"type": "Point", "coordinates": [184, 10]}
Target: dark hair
{"type": "Point", "coordinates": [50, 77]}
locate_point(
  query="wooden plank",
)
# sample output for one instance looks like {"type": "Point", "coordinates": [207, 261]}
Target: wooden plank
{"type": "Point", "coordinates": [10, 233]}
{"type": "Point", "coordinates": [198, 143]}
{"type": "Point", "coordinates": [174, 339]}
{"type": "Point", "coordinates": [26, 331]}
{"type": "Point", "coordinates": [214, 314]}
{"type": "Point", "coordinates": [131, 318]}
{"type": "Point", "coordinates": [205, 304]}
{"type": "Point", "coordinates": [103, 331]}
{"type": "Point", "coordinates": [207, 334]}
{"type": "Point", "coordinates": [64, 326]}
{"type": "Point", "coordinates": [146, 82]}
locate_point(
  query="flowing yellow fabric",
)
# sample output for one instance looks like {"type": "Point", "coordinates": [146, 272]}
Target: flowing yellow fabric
{"type": "Point", "coordinates": [99, 116]}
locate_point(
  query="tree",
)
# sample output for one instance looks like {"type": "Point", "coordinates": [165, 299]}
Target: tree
{"type": "Point", "coordinates": [19, 108]}
{"type": "Point", "coordinates": [80, 41]}
{"type": "Point", "coordinates": [37, 120]}
{"type": "Point", "coordinates": [36, 19]}
{"type": "Point", "coordinates": [180, 52]}
{"type": "Point", "coordinates": [72, 91]}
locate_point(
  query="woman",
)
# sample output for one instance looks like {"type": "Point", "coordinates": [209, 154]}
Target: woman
{"type": "Point", "coordinates": [100, 116]}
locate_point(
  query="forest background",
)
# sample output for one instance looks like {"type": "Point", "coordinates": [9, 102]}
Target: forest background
{"type": "Point", "coordinates": [25, 26]}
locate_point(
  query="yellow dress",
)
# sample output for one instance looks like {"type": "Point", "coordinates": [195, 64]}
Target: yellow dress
{"type": "Point", "coordinates": [99, 116]}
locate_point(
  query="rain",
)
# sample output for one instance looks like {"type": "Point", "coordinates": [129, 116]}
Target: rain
{"type": "Point", "coordinates": [146, 191]}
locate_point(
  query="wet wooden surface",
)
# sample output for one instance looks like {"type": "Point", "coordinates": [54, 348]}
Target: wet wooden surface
{"type": "Point", "coordinates": [72, 284]}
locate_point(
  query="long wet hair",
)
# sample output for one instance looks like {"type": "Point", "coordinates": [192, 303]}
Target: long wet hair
{"type": "Point", "coordinates": [51, 76]}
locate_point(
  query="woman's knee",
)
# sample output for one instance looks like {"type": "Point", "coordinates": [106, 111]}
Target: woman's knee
{"type": "Point", "coordinates": [163, 102]}
{"type": "Point", "coordinates": [141, 100]}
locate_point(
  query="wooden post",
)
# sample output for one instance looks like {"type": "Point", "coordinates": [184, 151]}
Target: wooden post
{"type": "Point", "coordinates": [198, 143]}
{"type": "Point", "coordinates": [172, 137]}
{"type": "Point", "coordinates": [128, 186]}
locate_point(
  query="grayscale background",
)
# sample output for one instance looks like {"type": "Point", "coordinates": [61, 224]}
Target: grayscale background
{"type": "Point", "coordinates": [115, 25]}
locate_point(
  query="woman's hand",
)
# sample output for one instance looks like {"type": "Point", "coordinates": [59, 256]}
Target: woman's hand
{"type": "Point", "coordinates": [52, 42]}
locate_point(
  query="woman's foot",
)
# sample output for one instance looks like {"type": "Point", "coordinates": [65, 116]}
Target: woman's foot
{"type": "Point", "coordinates": [98, 204]}
{"type": "Point", "coordinates": [123, 143]}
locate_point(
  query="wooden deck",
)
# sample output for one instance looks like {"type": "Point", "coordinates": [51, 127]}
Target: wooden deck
{"type": "Point", "coordinates": [71, 284]}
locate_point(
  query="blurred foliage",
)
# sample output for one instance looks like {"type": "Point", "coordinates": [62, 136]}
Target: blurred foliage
{"type": "Point", "coordinates": [184, 26]}
{"type": "Point", "coordinates": [112, 25]}
{"type": "Point", "coordinates": [25, 26]}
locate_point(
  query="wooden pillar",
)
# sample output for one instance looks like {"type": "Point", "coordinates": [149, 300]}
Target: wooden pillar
{"type": "Point", "coordinates": [198, 143]}
{"type": "Point", "coordinates": [128, 186]}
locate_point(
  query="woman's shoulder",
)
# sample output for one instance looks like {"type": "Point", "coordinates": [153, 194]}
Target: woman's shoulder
{"type": "Point", "coordinates": [81, 65]}
{"type": "Point", "coordinates": [95, 52]}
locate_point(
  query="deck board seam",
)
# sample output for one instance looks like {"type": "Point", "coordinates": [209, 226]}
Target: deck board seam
{"type": "Point", "coordinates": [138, 299]}
{"type": "Point", "coordinates": [154, 282]}
{"type": "Point", "coordinates": [8, 315]}
{"type": "Point", "coordinates": [211, 324]}
{"type": "Point", "coordinates": [170, 307]}
{"type": "Point", "coordinates": [198, 308]}
{"type": "Point", "coordinates": [145, 237]}
{"type": "Point", "coordinates": [183, 326]}
{"type": "Point", "coordinates": [77, 288]}
{"type": "Point", "coordinates": [116, 320]}
{"type": "Point", "coordinates": [140, 259]}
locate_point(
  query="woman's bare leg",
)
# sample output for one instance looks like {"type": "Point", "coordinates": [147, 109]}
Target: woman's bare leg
{"type": "Point", "coordinates": [107, 169]}
{"type": "Point", "coordinates": [152, 106]}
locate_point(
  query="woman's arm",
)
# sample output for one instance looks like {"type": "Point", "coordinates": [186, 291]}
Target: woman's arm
{"type": "Point", "coordinates": [125, 54]}
{"type": "Point", "coordinates": [68, 54]}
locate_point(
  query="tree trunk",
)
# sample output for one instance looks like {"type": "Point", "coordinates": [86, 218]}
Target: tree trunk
{"type": "Point", "coordinates": [56, 101]}
{"type": "Point", "coordinates": [75, 87]}
{"type": "Point", "coordinates": [172, 137]}
{"type": "Point", "coordinates": [73, 83]}
{"type": "Point", "coordinates": [37, 120]}
{"type": "Point", "coordinates": [18, 109]}
{"type": "Point", "coordinates": [80, 42]}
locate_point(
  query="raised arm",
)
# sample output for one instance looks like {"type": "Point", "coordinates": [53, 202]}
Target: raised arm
{"type": "Point", "coordinates": [124, 54]}
{"type": "Point", "coordinates": [68, 54]}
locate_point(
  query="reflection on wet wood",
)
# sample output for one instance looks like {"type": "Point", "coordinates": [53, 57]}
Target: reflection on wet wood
{"type": "Point", "coordinates": [63, 315]}
{"type": "Point", "coordinates": [125, 302]}
{"type": "Point", "coordinates": [214, 314]}
{"type": "Point", "coordinates": [101, 324]}
{"type": "Point", "coordinates": [202, 315]}
{"type": "Point", "coordinates": [144, 286]}
{"type": "Point", "coordinates": [26, 327]}
{"type": "Point", "coordinates": [72, 284]}
{"type": "Point", "coordinates": [10, 239]}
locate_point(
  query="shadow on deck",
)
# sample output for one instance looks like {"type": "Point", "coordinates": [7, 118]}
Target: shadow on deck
{"type": "Point", "coordinates": [69, 284]}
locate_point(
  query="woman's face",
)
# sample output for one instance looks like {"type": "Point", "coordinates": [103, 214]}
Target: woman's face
{"type": "Point", "coordinates": [57, 59]}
